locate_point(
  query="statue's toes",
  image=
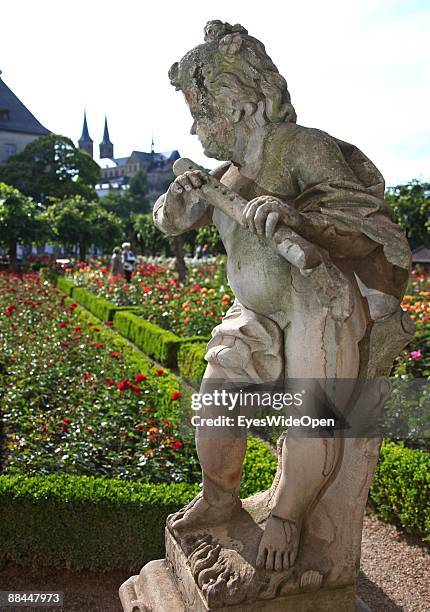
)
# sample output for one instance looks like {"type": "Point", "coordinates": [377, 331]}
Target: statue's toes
{"type": "Point", "coordinates": [261, 557]}
{"type": "Point", "coordinates": [270, 560]}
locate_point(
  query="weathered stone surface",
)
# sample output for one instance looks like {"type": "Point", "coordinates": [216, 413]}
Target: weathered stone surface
{"type": "Point", "coordinates": [318, 268]}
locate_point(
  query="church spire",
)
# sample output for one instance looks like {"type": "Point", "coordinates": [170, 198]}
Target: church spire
{"type": "Point", "coordinates": [85, 141]}
{"type": "Point", "coordinates": [106, 147]}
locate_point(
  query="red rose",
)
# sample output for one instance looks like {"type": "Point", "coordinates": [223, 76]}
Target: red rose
{"type": "Point", "coordinates": [96, 329]}
{"type": "Point", "coordinates": [78, 328]}
{"type": "Point", "coordinates": [139, 378]}
{"type": "Point", "coordinates": [176, 395]}
{"type": "Point", "coordinates": [176, 445]}
{"type": "Point", "coordinates": [139, 427]}
{"type": "Point", "coordinates": [159, 372]}
{"type": "Point", "coordinates": [110, 323]}
{"type": "Point", "coordinates": [63, 324]}
{"type": "Point", "coordinates": [123, 385]}
{"type": "Point", "coordinates": [110, 382]}
{"type": "Point", "coordinates": [64, 428]}
{"type": "Point", "coordinates": [97, 344]}
{"type": "Point", "coordinates": [90, 429]}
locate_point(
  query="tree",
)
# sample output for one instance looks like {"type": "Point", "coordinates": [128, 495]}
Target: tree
{"type": "Point", "coordinates": [51, 167]}
{"type": "Point", "coordinates": [78, 221]}
{"type": "Point", "coordinates": [150, 240]}
{"type": "Point", "coordinates": [129, 202]}
{"type": "Point", "coordinates": [21, 221]}
{"type": "Point", "coordinates": [411, 204]}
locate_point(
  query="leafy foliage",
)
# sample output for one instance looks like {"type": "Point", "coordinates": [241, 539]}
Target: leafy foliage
{"type": "Point", "coordinates": [150, 240]}
{"type": "Point", "coordinates": [20, 220]}
{"type": "Point", "coordinates": [400, 491]}
{"type": "Point", "coordinates": [51, 167]}
{"type": "Point", "coordinates": [411, 204]}
{"type": "Point", "coordinates": [78, 221]}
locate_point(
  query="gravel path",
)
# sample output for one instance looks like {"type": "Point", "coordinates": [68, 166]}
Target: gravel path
{"type": "Point", "coordinates": [395, 576]}
{"type": "Point", "coordinates": [395, 569]}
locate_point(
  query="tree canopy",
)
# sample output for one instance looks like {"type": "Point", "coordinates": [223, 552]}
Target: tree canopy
{"type": "Point", "coordinates": [411, 204]}
{"type": "Point", "coordinates": [51, 167]}
{"type": "Point", "coordinates": [77, 221]}
{"type": "Point", "coordinates": [21, 220]}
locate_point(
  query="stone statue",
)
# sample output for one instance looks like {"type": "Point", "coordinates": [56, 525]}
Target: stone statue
{"type": "Point", "coordinates": [318, 268]}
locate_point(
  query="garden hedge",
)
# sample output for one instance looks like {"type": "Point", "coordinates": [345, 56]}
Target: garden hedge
{"type": "Point", "coordinates": [161, 344]}
{"type": "Point", "coordinates": [85, 523]}
{"type": "Point", "coordinates": [400, 491]}
{"type": "Point", "coordinates": [65, 285]}
{"type": "Point", "coordinates": [100, 524]}
{"type": "Point", "coordinates": [101, 308]}
{"type": "Point", "coordinates": [191, 361]}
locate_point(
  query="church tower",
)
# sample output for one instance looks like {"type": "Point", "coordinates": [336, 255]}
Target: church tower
{"type": "Point", "coordinates": [106, 147]}
{"type": "Point", "coordinates": [85, 141]}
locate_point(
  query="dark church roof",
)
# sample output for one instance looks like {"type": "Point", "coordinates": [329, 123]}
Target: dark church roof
{"type": "Point", "coordinates": [85, 137]}
{"type": "Point", "coordinates": [14, 116]}
{"type": "Point", "coordinates": [106, 138]}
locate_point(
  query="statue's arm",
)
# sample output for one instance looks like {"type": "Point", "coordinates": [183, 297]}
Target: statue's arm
{"type": "Point", "coordinates": [183, 207]}
{"type": "Point", "coordinates": [176, 216]}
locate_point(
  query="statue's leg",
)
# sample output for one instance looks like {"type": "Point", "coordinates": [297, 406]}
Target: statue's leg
{"type": "Point", "coordinates": [221, 451]}
{"type": "Point", "coordinates": [246, 348]}
{"type": "Point", "coordinates": [319, 349]}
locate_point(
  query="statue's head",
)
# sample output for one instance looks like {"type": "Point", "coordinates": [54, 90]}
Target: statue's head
{"type": "Point", "coordinates": [229, 80]}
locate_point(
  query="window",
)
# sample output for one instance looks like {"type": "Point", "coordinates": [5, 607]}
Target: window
{"type": "Point", "coordinates": [9, 150]}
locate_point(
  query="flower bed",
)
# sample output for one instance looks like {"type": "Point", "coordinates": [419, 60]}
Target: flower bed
{"type": "Point", "coordinates": [187, 309]}
{"type": "Point", "coordinates": [73, 402]}
{"type": "Point", "coordinates": [415, 360]}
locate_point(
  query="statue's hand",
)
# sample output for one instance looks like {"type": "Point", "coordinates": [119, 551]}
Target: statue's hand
{"type": "Point", "coordinates": [262, 215]}
{"type": "Point", "coordinates": [189, 181]}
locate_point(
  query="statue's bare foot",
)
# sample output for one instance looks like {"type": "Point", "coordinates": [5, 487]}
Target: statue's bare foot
{"type": "Point", "coordinates": [279, 545]}
{"type": "Point", "coordinates": [199, 513]}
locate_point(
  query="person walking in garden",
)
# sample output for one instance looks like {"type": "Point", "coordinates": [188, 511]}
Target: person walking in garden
{"type": "Point", "coordinates": [128, 260]}
{"type": "Point", "coordinates": [116, 263]}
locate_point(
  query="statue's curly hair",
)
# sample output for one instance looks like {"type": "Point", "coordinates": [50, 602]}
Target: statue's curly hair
{"type": "Point", "coordinates": [235, 65]}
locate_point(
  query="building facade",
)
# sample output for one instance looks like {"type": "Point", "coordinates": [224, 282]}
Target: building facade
{"type": "Point", "coordinates": [115, 172]}
{"type": "Point", "coordinates": [18, 126]}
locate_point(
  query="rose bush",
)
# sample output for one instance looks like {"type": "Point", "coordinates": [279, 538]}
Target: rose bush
{"type": "Point", "coordinates": [70, 401]}
{"type": "Point", "coordinates": [192, 308]}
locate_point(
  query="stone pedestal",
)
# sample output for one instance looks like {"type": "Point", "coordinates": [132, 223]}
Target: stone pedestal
{"type": "Point", "coordinates": [155, 590]}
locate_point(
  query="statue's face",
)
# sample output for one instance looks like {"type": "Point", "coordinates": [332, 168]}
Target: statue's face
{"type": "Point", "coordinates": [214, 129]}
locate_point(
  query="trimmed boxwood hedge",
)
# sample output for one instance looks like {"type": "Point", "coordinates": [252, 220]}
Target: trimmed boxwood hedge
{"type": "Point", "coordinates": [400, 492]}
{"type": "Point", "coordinates": [65, 285]}
{"type": "Point", "coordinates": [89, 523]}
{"type": "Point", "coordinates": [85, 523]}
{"type": "Point", "coordinates": [191, 361]}
{"type": "Point", "coordinates": [161, 344]}
{"type": "Point", "coordinates": [101, 308]}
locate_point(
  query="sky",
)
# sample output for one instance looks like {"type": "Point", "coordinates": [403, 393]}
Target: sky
{"type": "Point", "coordinates": [357, 69]}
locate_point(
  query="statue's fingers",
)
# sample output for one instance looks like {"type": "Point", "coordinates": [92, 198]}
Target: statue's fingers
{"type": "Point", "coordinates": [260, 218]}
{"type": "Point", "coordinates": [195, 179]}
{"type": "Point", "coordinates": [176, 188]}
{"type": "Point", "coordinates": [279, 556]}
{"type": "Point", "coordinates": [271, 223]}
{"type": "Point", "coordinates": [270, 560]}
{"type": "Point", "coordinates": [253, 207]}
{"type": "Point", "coordinates": [261, 557]}
{"type": "Point", "coordinates": [184, 182]}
